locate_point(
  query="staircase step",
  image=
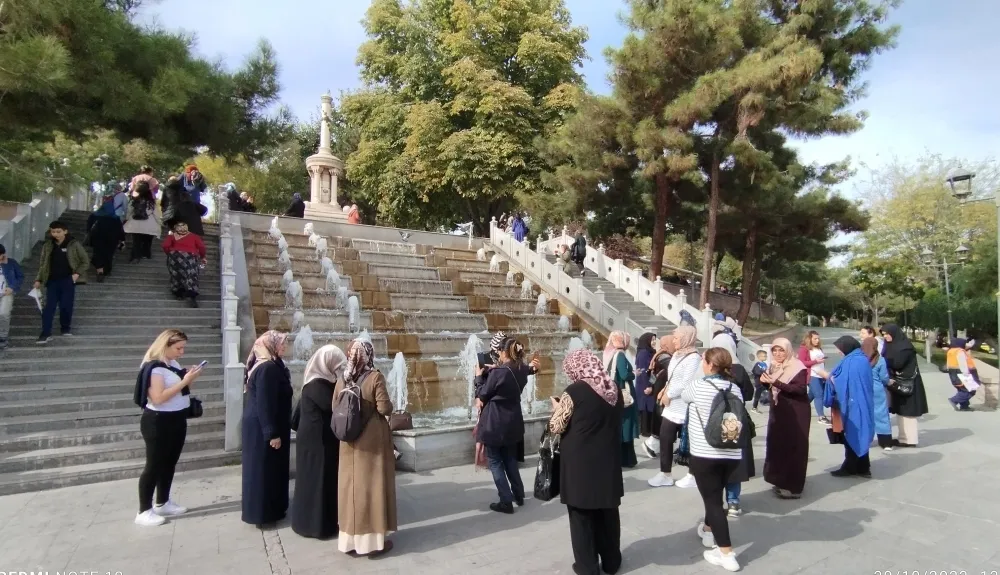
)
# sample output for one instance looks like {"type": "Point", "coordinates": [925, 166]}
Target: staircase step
{"type": "Point", "coordinates": [87, 365]}
{"type": "Point", "coordinates": [124, 311]}
{"type": "Point", "coordinates": [106, 471]}
{"type": "Point", "coordinates": [131, 450]}
{"type": "Point", "coordinates": [25, 332]}
{"type": "Point", "coordinates": [97, 370]}
{"type": "Point", "coordinates": [61, 438]}
{"type": "Point", "coordinates": [89, 389]}
{"type": "Point", "coordinates": [60, 405]}
{"type": "Point", "coordinates": [137, 349]}
{"type": "Point", "coordinates": [127, 416]}
{"type": "Point", "coordinates": [102, 343]}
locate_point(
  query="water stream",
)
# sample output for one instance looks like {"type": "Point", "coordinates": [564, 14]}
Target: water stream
{"type": "Point", "coordinates": [468, 361]}
{"type": "Point", "coordinates": [527, 289]}
{"type": "Point", "coordinates": [273, 231]}
{"type": "Point", "coordinates": [313, 238]}
{"type": "Point", "coordinates": [342, 294]}
{"type": "Point", "coordinates": [481, 254]}
{"type": "Point", "coordinates": [511, 278]}
{"type": "Point", "coordinates": [495, 263]}
{"type": "Point", "coordinates": [564, 323]}
{"type": "Point", "coordinates": [284, 261]}
{"type": "Point", "coordinates": [298, 319]}
{"type": "Point", "coordinates": [308, 229]}
{"type": "Point", "coordinates": [293, 296]}
{"type": "Point", "coordinates": [326, 264]}
{"type": "Point", "coordinates": [396, 382]}
{"type": "Point", "coordinates": [321, 248]}
{"type": "Point", "coordinates": [354, 313]}
{"type": "Point", "coordinates": [286, 279]}
{"type": "Point", "coordinates": [302, 348]}
{"type": "Point", "coordinates": [332, 279]}
{"type": "Point", "coordinates": [282, 245]}
{"type": "Point", "coordinates": [542, 307]}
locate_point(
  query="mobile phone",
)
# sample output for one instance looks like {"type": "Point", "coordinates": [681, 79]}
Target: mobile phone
{"type": "Point", "coordinates": [202, 364]}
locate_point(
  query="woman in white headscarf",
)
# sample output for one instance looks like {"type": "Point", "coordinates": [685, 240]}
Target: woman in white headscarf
{"type": "Point", "coordinates": [317, 450]}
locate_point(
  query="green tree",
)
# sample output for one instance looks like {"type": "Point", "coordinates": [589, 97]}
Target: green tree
{"type": "Point", "coordinates": [455, 94]}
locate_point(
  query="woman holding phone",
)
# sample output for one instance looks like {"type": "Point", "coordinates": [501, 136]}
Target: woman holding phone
{"type": "Point", "coordinates": [164, 394]}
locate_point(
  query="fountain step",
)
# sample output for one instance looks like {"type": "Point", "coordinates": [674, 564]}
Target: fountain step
{"type": "Point", "coordinates": [481, 277]}
{"type": "Point", "coordinates": [522, 323]}
{"type": "Point", "coordinates": [392, 258]}
{"type": "Point", "coordinates": [518, 305]}
{"type": "Point", "coordinates": [269, 250]}
{"type": "Point", "coordinates": [429, 287]}
{"type": "Point", "coordinates": [298, 240]}
{"type": "Point", "coordinates": [380, 246]}
{"type": "Point", "coordinates": [455, 253]}
{"type": "Point", "coordinates": [310, 266]}
{"type": "Point", "coordinates": [504, 291]}
{"type": "Point", "coordinates": [310, 282]}
{"type": "Point", "coordinates": [475, 265]}
{"type": "Point", "coordinates": [432, 303]}
{"type": "Point", "coordinates": [310, 299]}
{"type": "Point", "coordinates": [415, 346]}
{"type": "Point", "coordinates": [403, 272]}
{"type": "Point", "coordinates": [317, 320]}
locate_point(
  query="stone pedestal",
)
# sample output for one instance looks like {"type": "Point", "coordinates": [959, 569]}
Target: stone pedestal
{"type": "Point", "coordinates": [324, 171]}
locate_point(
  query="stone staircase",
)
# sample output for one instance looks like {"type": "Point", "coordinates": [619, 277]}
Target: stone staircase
{"type": "Point", "coordinates": [66, 410]}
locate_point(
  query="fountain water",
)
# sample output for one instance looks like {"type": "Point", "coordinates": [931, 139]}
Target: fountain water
{"type": "Point", "coordinates": [298, 319]}
{"type": "Point", "coordinates": [481, 254]}
{"type": "Point", "coordinates": [332, 280]}
{"type": "Point", "coordinates": [326, 264]}
{"type": "Point", "coordinates": [396, 382]}
{"type": "Point", "coordinates": [308, 229]}
{"type": "Point", "coordinates": [284, 261]}
{"type": "Point", "coordinates": [302, 348]}
{"type": "Point", "coordinates": [282, 244]}
{"type": "Point", "coordinates": [468, 361]}
{"type": "Point", "coordinates": [575, 343]}
{"type": "Point", "coordinates": [341, 297]}
{"type": "Point", "coordinates": [587, 339]}
{"type": "Point", "coordinates": [321, 248]}
{"type": "Point", "coordinates": [273, 231]}
{"type": "Point", "coordinates": [564, 324]}
{"type": "Point", "coordinates": [495, 263]}
{"type": "Point", "coordinates": [542, 307]}
{"type": "Point", "coordinates": [313, 238]}
{"type": "Point", "coordinates": [293, 296]}
{"type": "Point", "coordinates": [364, 336]}
{"type": "Point", "coordinates": [354, 313]}
{"type": "Point", "coordinates": [528, 395]}
{"type": "Point", "coordinates": [527, 289]}
{"type": "Point", "coordinates": [286, 279]}
{"type": "Point", "coordinates": [511, 278]}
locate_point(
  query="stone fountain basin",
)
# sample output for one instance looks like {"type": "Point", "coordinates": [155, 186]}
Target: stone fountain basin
{"type": "Point", "coordinates": [403, 272]}
{"type": "Point", "coordinates": [310, 266]}
{"type": "Point", "coordinates": [503, 291]}
{"type": "Point", "coordinates": [428, 287]}
{"type": "Point", "coordinates": [426, 345]}
{"type": "Point", "coordinates": [430, 303]}
{"type": "Point", "coordinates": [310, 282]}
{"type": "Point", "coordinates": [380, 246]}
{"type": "Point", "coordinates": [271, 298]}
{"type": "Point", "coordinates": [479, 277]}
{"type": "Point", "coordinates": [454, 254]}
{"type": "Point", "coordinates": [318, 320]}
{"type": "Point", "coordinates": [298, 240]}
{"type": "Point", "coordinates": [392, 258]}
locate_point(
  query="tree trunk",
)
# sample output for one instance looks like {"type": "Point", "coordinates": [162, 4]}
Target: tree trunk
{"type": "Point", "coordinates": [659, 226]}
{"type": "Point", "coordinates": [717, 266]}
{"type": "Point", "coordinates": [713, 214]}
{"type": "Point", "coordinates": [751, 275]}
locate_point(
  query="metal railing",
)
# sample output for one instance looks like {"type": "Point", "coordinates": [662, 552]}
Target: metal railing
{"type": "Point", "coordinates": [31, 220]}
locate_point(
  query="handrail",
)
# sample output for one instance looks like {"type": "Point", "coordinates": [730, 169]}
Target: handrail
{"type": "Point", "coordinates": [232, 363]}
{"type": "Point", "coordinates": [31, 220]}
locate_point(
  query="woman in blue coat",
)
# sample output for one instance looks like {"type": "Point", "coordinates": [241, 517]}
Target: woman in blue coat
{"type": "Point", "coordinates": [880, 397]}
{"type": "Point", "coordinates": [619, 369]}
{"type": "Point", "coordinates": [649, 424]}
{"type": "Point", "coordinates": [850, 394]}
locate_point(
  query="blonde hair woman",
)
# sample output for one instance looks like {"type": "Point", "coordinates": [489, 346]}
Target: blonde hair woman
{"type": "Point", "coordinates": [164, 395]}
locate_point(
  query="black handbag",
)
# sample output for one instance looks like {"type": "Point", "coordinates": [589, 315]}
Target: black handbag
{"type": "Point", "coordinates": [196, 410]}
{"type": "Point", "coordinates": [547, 471]}
{"type": "Point", "coordinates": [904, 386]}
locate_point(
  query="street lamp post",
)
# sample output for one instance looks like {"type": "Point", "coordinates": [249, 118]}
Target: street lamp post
{"type": "Point", "coordinates": [928, 258]}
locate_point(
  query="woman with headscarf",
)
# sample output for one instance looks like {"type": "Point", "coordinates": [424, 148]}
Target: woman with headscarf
{"type": "Point", "coordinates": [578, 252]}
{"type": "Point", "coordinates": [522, 372]}
{"type": "Point", "coordinates": [520, 228]}
{"type": "Point", "coordinates": [142, 221]}
{"type": "Point", "coordinates": [267, 431]}
{"type": "Point", "coordinates": [684, 369]}
{"type": "Point", "coordinates": [104, 231]}
{"type": "Point", "coordinates": [849, 393]}
{"type": "Point", "coordinates": [297, 209]}
{"type": "Point", "coordinates": [880, 395]}
{"type": "Point", "coordinates": [960, 365]}
{"type": "Point", "coordinates": [317, 450]}
{"type": "Point", "coordinates": [588, 416]}
{"type": "Point", "coordinates": [908, 400]}
{"type": "Point", "coordinates": [787, 443]}
{"type": "Point", "coordinates": [353, 214]}
{"type": "Point", "coordinates": [619, 369]}
{"type": "Point", "coordinates": [177, 206]}
{"type": "Point", "coordinates": [658, 376]}
{"type": "Point", "coordinates": [644, 398]}
{"type": "Point", "coordinates": [366, 502]}
{"type": "Point", "coordinates": [738, 374]}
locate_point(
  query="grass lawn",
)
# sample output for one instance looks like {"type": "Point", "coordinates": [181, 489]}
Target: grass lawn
{"type": "Point", "coordinates": [939, 355]}
{"type": "Point", "coordinates": [758, 326]}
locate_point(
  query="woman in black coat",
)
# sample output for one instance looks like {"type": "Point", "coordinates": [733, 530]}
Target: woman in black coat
{"type": "Point", "coordinates": [297, 209]}
{"type": "Point", "coordinates": [177, 206]}
{"type": "Point", "coordinates": [317, 450]}
{"type": "Point", "coordinates": [501, 424]}
{"type": "Point", "coordinates": [904, 374]}
{"type": "Point", "coordinates": [588, 416]}
{"type": "Point", "coordinates": [267, 431]}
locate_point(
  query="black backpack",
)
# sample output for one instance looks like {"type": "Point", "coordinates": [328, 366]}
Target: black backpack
{"type": "Point", "coordinates": [346, 422]}
{"type": "Point", "coordinates": [140, 210]}
{"type": "Point", "coordinates": [725, 427]}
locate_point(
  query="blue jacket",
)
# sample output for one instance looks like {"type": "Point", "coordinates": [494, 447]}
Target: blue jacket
{"type": "Point", "coordinates": [12, 274]}
{"type": "Point", "coordinates": [851, 388]}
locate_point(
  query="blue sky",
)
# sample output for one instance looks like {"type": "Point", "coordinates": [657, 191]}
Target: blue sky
{"type": "Point", "coordinates": [937, 91]}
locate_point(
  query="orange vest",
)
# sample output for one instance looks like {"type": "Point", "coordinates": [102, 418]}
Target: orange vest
{"type": "Point", "coordinates": [952, 358]}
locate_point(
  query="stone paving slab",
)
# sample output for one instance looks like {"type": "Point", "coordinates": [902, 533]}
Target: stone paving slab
{"type": "Point", "coordinates": [929, 509]}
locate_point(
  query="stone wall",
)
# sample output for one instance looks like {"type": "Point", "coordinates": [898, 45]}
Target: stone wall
{"type": "Point", "coordinates": [730, 304]}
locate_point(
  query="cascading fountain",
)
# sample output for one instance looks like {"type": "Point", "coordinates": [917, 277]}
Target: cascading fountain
{"type": "Point", "coordinates": [302, 348]}
{"type": "Point", "coordinates": [564, 324]}
{"type": "Point", "coordinates": [575, 343]}
{"type": "Point", "coordinates": [282, 245]}
{"type": "Point", "coordinates": [495, 263]}
{"type": "Point", "coordinates": [468, 361]}
{"type": "Point", "coordinates": [511, 278]}
{"type": "Point", "coordinates": [527, 289]}
{"type": "Point", "coordinates": [293, 296]}
{"type": "Point", "coordinates": [286, 279]}
{"type": "Point", "coordinates": [326, 264]}
{"type": "Point", "coordinates": [284, 261]}
{"type": "Point", "coordinates": [528, 395]}
{"type": "Point", "coordinates": [313, 238]}
{"type": "Point", "coordinates": [332, 280]}
{"type": "Point", "coordinates": [321, 248]}
{"type": "Point", "coordinates": [341, 300]}
{"type": "Point", "coordinates": [481, 254]}
{"type": "Point", "coordinates": [364, 336]}
{"type": "Point", "coordinates": [586, 339]}
{"type": "Point", "coordinates": [298, 319]}
{"type": "Point", "coordinates": [542, 307]}
{"type": "Point", "coordinates": [308, 229]}
{"type": "Point", "coordinates": [396, 382]}
{"type": "Point", "coordinates": [354, 313]}
{"type": "Point", "coordinates": [273, 231]}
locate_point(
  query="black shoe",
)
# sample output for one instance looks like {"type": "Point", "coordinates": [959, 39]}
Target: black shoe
{"type": "Point", "coordinates": [193, 302]}
{"type": "Point", "coordinates": [864, 474]}
{"type": "Point", "coordinates": [501, 507]}
{"type": "Point", "coordinates": [44, 340]}
{"type": "Point", "coordinates": [841, 473]}
{"type": "Point", "coordinates": [100, 277]}
{"type": "Point", "coordinates": [519, 501]}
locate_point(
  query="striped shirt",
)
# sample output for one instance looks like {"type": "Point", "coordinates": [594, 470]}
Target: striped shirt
{"type": "Point", "coordinates": [681, 372]}
{"type": "Point", "coordinates": [700, 394]}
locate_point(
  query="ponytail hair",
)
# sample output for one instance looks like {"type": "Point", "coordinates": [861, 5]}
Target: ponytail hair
{"type": "Point", "coordinates": [169, 338]}
{"type": "Point", "coordinates": [721, 361]}
{"type": "Point", "coordinates": [513, 349]}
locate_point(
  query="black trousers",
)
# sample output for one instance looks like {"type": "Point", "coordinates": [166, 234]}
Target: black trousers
{"type": "Point", "coordinates": [669, 432]}
{"type": "Point", "coordinates": [853, 463]}
{"type": "Point", "coordinates": [712, 476]}
{"type": "Point", "coordinates": [164, 433]}
{"type": "Point", "coordinates": [595, 534]}
{"type": "Point", "coordinates": [758, 391]}
{"type": "Point", "coordinates": [142, 246]}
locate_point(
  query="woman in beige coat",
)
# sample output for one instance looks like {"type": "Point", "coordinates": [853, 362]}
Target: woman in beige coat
{"type": "Point", "coordinates": [366, 494]}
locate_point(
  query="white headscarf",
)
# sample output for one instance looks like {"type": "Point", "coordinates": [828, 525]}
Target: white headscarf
{"type": "Point", "coordinates": [725, 341]}
{"type": "Point", "coordinates": [327, 363]}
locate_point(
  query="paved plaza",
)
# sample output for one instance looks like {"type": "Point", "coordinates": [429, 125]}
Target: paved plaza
{"type": "Point", "coordinates": [932, 509]}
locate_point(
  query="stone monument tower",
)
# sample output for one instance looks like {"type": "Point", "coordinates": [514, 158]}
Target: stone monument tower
{"type": "Point", "coordinates": [324, 169]}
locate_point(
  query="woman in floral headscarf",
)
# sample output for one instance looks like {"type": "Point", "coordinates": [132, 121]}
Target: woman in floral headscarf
{"type": "Point", "coordinates": [619, 369]}
{"type": "Point", "coordinates": [267, 430]}
{"type": "Point", "coordinates": [787, 442]}
{"type": "Point", "coordinates": [588, 415]}
{"type": "Point", "coordinates": [366, 483]}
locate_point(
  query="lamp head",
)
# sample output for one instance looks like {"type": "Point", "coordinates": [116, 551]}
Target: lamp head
{"type": "Point", "coordinates": [927, 256]}
{"type": "Point", "coordinates": [962, 253]}
{"type": "Point", "coordinates": [960, 182]}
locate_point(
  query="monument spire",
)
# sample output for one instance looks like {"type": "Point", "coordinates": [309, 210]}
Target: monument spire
{"type": "Point", "coordinates": [324, 170]}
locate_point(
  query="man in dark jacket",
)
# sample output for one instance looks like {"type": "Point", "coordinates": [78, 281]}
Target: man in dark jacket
{"type": "Point", "coordinates": [11, 279]}
{"type": "Point", "coordinates": [62, 262]}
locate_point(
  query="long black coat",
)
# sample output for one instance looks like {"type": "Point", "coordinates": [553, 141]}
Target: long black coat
{"type": "Point", "coordinates": [501, 422]}
{"type": "Point", "coordinates": [902, 363]}
{"type": "Point", "coordinates": [179, 207]}
{"type": "Point", "coordinates": [267, 414]}
{"type": "Point", "coordinates": [297, 209]}
{"type": "Point", "coordinates": [317, 458]}
{"type": "Point", "coordinates": [590, 460]}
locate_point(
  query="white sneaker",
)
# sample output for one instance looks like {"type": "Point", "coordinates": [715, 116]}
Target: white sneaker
{"type": "Point", "coordinates": [169, 509]}
{"type": "Point", "coordinates": [661, 479]}
{"type": "Point", "coordinates": [727, 561]}
{"type": "Point", "coordinates": [652, 447]}
{"type": "Point", "coordinates": [887, 449]}
{"type": "Point", "coordinates": [707, 538]}
{"type": "Point", "coordinates": [148, 519]}
{"type": "Point", "coordinates": [686, 482]}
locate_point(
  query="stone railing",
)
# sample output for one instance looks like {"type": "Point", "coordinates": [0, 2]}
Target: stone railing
{"type": "Point", "coordinates": [232, 360]}
{"type": "Point", "coordinates": [24, 225]}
